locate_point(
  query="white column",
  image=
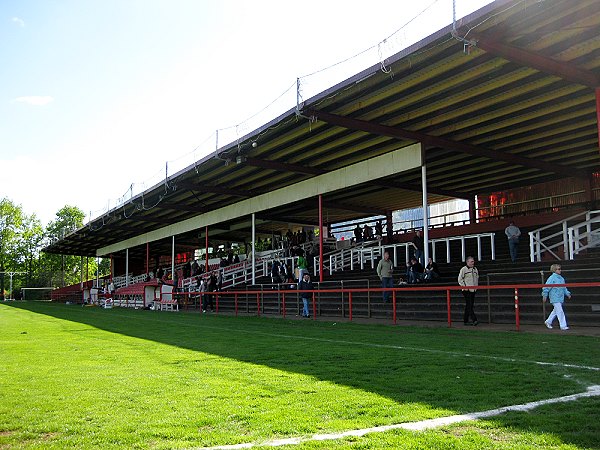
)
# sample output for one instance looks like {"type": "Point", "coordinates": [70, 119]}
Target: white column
{"type": "Point", "coordinates": [425, 212]}
{"type": "Point", "coordinates": [253, 249]}
{"type": "Point", "coordinates": [173, 260]}
{"type": "Point", "coordinates": [127, 267]}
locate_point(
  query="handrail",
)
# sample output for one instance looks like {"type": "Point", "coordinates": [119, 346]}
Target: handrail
{"type": "Point", "coordinates": [348, 292]}
{"type": "Point", "coordinates": [361, 255]}
{"type": "Point", "coordinates": [538, 245]}
{"type": "Point", "coordinates": [583, 241]}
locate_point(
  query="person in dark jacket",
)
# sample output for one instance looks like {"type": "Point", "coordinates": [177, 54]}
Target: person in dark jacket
{"type": "Point", "coordinates": [432, 272]}
{"type": "Point", "coordinates": [305, 284]}
{"type": "Point", "coordinates": [414, 271]}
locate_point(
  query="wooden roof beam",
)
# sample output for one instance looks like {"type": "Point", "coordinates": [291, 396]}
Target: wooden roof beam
{"type": "Point", "coordinates": [436, 141]}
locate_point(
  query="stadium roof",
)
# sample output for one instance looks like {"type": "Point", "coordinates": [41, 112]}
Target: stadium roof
{"type": "Point", "coordinates": [508, 97]}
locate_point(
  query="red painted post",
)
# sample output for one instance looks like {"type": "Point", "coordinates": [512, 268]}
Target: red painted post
{"type": "Point", "coordinates": [217, 303]}
{"type": "Point", "coordinates": [598, 112]}
{"type": "Point", "coordinates": [147, 258]}
{"type": "Point", "coordinates": [448, 303]}
{"type": "Point", "coordinates": [314, 305]}
{"type": "Point", "coordinates": [394, 305]}
{"type": "Point", "coordinates": [283, 295]}
{"type": "Point", "coordinates": [350, 306]}
{"type": "Point", "coordinates": [258, 304]}
{"type": "Point", "coordinates": [517, 318]}
{"type": "Point", "coordinates": [236, 304]}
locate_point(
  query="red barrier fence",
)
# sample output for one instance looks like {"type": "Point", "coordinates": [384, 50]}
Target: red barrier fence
{"type": "Point", "coordinates": [192, 299]}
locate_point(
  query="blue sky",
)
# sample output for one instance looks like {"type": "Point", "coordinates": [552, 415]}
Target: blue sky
{"type": "Point", "coordinates": [98, 95]}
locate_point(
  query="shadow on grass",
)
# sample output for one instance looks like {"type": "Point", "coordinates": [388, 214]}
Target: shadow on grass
{"type": "Point", "coordinates": [396, 363]}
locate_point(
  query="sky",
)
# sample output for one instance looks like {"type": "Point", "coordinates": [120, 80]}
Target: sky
{"type": "Point", "coordinates": [99, 99]}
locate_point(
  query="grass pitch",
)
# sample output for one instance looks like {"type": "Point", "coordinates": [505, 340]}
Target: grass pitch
{"type": "Point", "coordinates": [73, 377]}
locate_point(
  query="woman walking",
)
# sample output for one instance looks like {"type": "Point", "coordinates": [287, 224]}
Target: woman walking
{"type": "Point", "coordinates": [556, 296]}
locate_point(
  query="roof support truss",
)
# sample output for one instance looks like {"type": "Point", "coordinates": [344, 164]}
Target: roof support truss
{"type": "Point", "coordinates": [539, 62]}
{"type": "Point", "coordinates": [435, 141]}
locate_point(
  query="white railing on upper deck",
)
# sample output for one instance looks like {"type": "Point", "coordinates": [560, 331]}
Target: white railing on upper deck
{"type": "Point", "coordinates": [584, 235]}
{"type": "Point", "coordinates": [565, 238]}
{"type": "Point", "coordinates": [371, 252]}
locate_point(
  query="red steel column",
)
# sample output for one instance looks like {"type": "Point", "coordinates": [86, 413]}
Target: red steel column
{"type": "Point", "coordinates": [448, 303]}
{"type": "Point", "coordinates": [350, 306]}
{"type": "Point", "coordinates": [598, 112]}
{"type": "Point", "coordinates": [147, 258]}
{"type": "Point", "coordinates": [320, 238]}
{"type": "Point", "coordinates": [394, 305]}
{"type": "Point", "coordinates": [517, 318]}
{"type": "Point", "coordinates": [283, 304]}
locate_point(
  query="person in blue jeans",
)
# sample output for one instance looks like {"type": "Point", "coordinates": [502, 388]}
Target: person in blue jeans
{"type": "Point", "coordinates": [556, 296]}
{"type": "Point", "coordinates": [305, 285]}
{"type": "Point", "coordinates": [384, 272]}
{"type": "Point", "coordinates": [513, 233]}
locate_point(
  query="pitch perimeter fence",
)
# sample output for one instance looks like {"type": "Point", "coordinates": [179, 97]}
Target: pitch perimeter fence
{"type": "Point", "coordinates": [507, 304]}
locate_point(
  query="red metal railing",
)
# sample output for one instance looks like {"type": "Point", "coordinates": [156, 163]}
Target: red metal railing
{"type": "Point", "coordinates": [349, 293]}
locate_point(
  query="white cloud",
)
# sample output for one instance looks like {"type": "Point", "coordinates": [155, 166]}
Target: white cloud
{"type": "Point", "coordinates": [18, 21]}
{"type": "Point", "coordinates": [35, 100]}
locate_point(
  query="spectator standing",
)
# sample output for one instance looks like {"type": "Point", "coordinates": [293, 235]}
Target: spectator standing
{"type": "Point", "coordinates": [379, 229]}
{"type": "Point", "coordinates": [176, 281]}
{"type": "Point", "coordinates": [305, 285]}
{"type": "Point", "coordinates": [367, 232]}
{"type": "Point", "coordinates": [467, 277]}
{"type": "Point", "coordinates": [211, 286]}
{"type": "Point", "coordinates": [302, 266]}
{"type": "Point", "coordinates": [276, 272]}
{"type": "Point", "coordinates": [195, 268]}
{"type": "Point", "coordinates": [358, 233]}
{"type": "Point", "coordinates": [513, 234]}
{"type": "Point", "coordinates": [557, 297]}
{"type": "Point", "coordinates": [419, 245]}
{"type": "Point", "coordinates": [384, 271]}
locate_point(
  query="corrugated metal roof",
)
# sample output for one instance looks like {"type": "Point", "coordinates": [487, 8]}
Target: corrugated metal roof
{"type": "Point", "coordinates": [510, 103]}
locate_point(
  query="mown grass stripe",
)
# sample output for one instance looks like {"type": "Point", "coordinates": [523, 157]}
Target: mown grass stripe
{"type": "Point", "coordinates": [592, 391]}
{"type": "Point", "coordinates": [375, 345]}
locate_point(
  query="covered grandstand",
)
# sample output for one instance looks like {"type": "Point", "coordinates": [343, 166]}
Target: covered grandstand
{"type": "Point", "coordinates": [505, 99]}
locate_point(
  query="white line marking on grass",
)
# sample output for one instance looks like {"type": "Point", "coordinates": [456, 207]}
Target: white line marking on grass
{"type": "Point", "coordinates": [592, 391]}
{"type": "Point", "coordinates": [371, 344]}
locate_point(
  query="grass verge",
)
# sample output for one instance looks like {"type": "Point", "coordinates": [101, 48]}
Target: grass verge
{"type": "Point", "coordinates": [88, 377]}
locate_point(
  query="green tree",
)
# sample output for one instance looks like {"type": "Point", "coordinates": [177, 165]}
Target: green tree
{"type": "Point", "coordinates": [11, 218]}
{"type": "Point", "coordinates": [67, 267]}
{"type": "Point", "coordinates": [29, 243]}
